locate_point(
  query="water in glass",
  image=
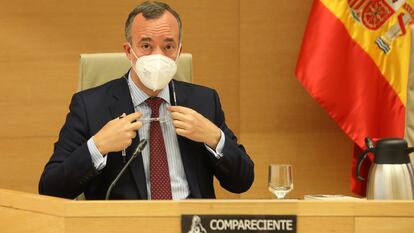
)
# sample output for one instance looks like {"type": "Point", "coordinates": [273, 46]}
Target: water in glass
{"type": "Point", "coordinates": [280, 179]}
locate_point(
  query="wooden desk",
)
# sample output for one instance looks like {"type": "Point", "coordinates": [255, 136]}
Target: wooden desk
{"type": "Point", "coordinates": [25, 212]}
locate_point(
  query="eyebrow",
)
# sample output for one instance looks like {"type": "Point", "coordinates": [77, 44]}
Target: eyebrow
{"type": "Point", "coordinates": [169, 40]}
{"type": "Point", "coordinates": [149, 39]}
{"type": "Point", "coordinates": [145, 39]}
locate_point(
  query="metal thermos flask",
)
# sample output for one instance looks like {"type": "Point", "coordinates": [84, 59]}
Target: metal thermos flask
{"type": "Point", "coordinates": [391, 175]}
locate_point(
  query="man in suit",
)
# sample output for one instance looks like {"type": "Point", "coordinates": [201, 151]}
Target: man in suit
{"type": "Point", "coordinates": [189, 142]}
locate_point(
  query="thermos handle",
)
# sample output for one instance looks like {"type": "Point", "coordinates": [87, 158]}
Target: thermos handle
{"type": "Point", "coordinates": [410, 150]}
{"type": "Point", "coordinates": [363, 156]}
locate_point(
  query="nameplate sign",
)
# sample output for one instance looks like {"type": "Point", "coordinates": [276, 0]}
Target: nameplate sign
{"type": "Point", "coordinates": [238, 223]}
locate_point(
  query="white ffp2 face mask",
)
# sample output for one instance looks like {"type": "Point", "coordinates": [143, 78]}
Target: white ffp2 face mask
{"type": "Point", "coordinates": [155, 71]}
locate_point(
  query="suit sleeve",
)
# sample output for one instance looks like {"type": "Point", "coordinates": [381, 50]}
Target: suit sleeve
{"type": "Point", "coordinates": [70, 168]}
{"type": "Point", "coordinates": [235, 170]}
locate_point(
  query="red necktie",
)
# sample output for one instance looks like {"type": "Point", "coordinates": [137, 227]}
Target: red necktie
{"type": "Point", "coordinates": [159, 173]}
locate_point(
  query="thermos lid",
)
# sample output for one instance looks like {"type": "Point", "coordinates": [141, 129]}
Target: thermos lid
{"type": "Point", "coordinates": [391, 151]}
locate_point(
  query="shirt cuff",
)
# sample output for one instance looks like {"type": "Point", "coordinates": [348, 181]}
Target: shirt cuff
{"type": "Point", "coordinates": [218, 153]}
{"type": "Point", "coordinates": [99, 161]}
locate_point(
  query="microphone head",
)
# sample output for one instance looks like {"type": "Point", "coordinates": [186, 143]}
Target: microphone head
{"type": "Point", "coordinates": [142, 144]}
{"type": "Point", "coordinates": [140, 147]}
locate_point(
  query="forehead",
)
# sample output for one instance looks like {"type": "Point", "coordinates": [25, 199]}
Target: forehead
{"type": "Point", "coordinates": [163, 27]}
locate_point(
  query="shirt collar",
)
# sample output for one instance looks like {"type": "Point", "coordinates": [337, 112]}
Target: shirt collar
{"type": "Point", "coordinates": [139, 96]}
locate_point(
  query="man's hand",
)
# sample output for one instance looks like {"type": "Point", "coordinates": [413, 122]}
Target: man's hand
{"type": "Point", "coordinates": [118, 133]}
{"type": "Point", "coordinates": [192, 125]}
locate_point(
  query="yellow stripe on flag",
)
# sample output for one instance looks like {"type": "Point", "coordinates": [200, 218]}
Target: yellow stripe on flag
{"type": "Point", "coordinates": [394, 64]}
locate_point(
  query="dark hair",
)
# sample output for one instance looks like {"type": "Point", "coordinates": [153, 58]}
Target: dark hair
{"type": "Point", "coordinates": [150, 10]}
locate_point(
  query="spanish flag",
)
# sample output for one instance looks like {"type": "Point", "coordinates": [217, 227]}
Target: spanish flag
{"type": "Point", "coordinates": [354, 62]}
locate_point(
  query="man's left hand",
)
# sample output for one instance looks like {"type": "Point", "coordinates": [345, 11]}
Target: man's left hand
{"type": "Point", "coordinates": [192, 125]}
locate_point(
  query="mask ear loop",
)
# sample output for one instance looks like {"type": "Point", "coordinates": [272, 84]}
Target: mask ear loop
{"type": "Point", "coordinates": [179, 53]}
{"type": "Point", "coordinates": [133, 53]}
{"type": "Point", "coordinates": [132, 50]}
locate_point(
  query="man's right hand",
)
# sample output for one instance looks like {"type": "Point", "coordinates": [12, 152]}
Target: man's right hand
{"type": "Point", "coordinates": [118, 133]}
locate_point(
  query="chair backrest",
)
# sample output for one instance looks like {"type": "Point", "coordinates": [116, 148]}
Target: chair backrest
{"type": "Point", "coordinates": [98, 68]}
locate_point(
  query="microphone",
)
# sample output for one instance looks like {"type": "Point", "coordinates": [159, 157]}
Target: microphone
{"type": "Point", "coordinates": [137, 151]}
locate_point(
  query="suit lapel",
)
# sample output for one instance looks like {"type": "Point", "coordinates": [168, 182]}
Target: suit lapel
{"type": "Point", "coordinates": [190, 164]}
{"type": "Point", "coordinates": [123, 104]}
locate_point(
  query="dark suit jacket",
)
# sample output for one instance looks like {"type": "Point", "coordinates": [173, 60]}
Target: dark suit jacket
{"type": "Point", "coordinates": [70, 170]}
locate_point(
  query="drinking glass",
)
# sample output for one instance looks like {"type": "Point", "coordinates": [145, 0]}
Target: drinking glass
{"type": "Point", "coordinates": [280, 179]}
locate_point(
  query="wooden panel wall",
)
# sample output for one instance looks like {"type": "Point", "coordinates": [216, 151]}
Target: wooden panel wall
{"type": "Point", "coordinates": [246, 50]}
{"type": "Point", "coordinates": [279, 121]}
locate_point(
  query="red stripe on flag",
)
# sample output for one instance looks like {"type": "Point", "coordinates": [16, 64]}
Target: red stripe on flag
{"type": "Point", "coordinates": [401, 23]}
{"type": "Point", "coordinates": [360, 3]}
{"type": "Point", "coordinates": [351, 3]}
{"type": "Point", "coordinates": [346, 82]}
